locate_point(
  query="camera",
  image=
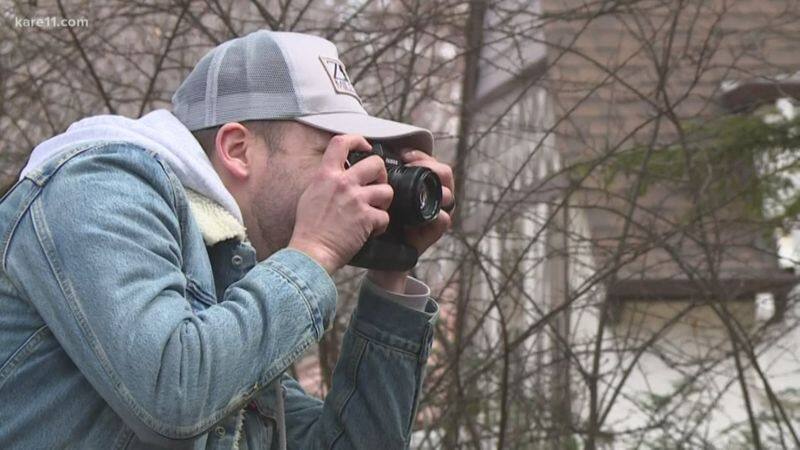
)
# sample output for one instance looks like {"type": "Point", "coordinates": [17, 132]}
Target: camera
{"type": "Point", "coordinates": [416, 202]}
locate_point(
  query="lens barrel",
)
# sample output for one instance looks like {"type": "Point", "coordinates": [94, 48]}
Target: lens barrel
{"type": "Point", "coordinates": [417, 190]}
{"type": "Point", "coordinates": [417, 194]}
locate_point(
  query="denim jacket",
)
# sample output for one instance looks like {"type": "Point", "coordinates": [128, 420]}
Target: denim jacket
{"type": "Point", "coordinates": [119, 328]}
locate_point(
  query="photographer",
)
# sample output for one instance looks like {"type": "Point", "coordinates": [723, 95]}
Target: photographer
{"type": "Point", "coordinates": [159, 275]}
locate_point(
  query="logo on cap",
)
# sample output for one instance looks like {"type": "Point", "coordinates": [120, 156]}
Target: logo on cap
{"type": "Point", "coordinates": [338, 76]}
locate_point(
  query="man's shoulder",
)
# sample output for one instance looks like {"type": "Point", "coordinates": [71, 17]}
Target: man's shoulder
{"type": "Point", "coordinates": [119, 166]}
{"type": "Point", "coordinates": [108, 185]}
{"type": "Point", "coordinates": [107, 156]}
{"type": "Point", "coordinates": [84, 195]}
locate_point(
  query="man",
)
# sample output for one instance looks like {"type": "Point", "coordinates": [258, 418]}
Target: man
{"type": "Point", "coordinates": [151, 295]}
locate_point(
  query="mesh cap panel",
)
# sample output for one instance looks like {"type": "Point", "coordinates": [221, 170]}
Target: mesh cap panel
{"type": "Point", "coordinates": [243, 79]}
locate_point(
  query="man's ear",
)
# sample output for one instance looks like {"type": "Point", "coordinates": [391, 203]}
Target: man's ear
{"type": "Point", "coordinates": [234, 146]}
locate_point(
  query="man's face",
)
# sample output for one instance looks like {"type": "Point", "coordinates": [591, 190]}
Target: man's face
{"type": "Point", "coordinates": [280, 177]}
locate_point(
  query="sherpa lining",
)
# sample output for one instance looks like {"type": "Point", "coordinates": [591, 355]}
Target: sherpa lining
{"type": "Point", "coordinates": [216, 223]}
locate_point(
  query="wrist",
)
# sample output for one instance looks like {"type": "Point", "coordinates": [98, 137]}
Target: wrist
{"type": "Point", "coordinates": [390, 280]}
{"type": "Point", "coordinates": [316, 253]}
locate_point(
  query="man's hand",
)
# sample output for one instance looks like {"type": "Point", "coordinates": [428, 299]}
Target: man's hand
{"type": "Point", "coordinates": [340, 209]}
{"type": "Point", "coordinates": [421, 237]}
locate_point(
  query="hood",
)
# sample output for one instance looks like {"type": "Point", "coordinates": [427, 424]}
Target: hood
{"type": "Point", "coordinates": [161, 132]}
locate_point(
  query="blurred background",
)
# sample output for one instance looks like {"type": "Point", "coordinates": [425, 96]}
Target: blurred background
{"type": "Point", "coordinates": [622, 267]}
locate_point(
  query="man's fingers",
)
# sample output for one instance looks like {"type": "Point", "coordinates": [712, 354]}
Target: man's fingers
{"type": "Point", "coordinates": [439, 226]}
{"type": "Point", "coordinates": [380, 222]}
{"type": "Point", "coordinates": [378, 195]}
{"type": "Point", "coordinates": [409, 155]}
{"type": "Point", "coordinates": [421, 159]}
{"type": "Point", "coordinates": [445, 219]}
{"type": "Point", "coordinates": [445, 173]}
{"type": "Point", "coordinates": [369, 170]}
{"type": "Point", "coordinates": [425, 236]}
{"type": "Point", "coordinates": [339, 146]}
{"type": "Point", "coordinates": [447, 197]}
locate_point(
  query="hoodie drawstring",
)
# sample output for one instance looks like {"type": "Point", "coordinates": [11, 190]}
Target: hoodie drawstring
{"type": "Point", "coordinates": [281, 416]}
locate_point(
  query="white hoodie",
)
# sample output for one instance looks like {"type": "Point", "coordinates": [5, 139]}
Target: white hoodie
{"type": "Point", "coordinates": [214, 208]}
{"type": "Point", "coordinates": [159, 131]}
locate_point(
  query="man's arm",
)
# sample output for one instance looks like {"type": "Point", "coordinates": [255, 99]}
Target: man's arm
{"type": "Point", "coordinates": [378, 377]}
{"type": "Point", "coordinates": [376, 383]}
{"type": "Point", "coordinates": [105, 240]}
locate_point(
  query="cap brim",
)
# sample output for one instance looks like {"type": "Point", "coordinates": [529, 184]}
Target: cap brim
{"type": "Point", "coordinates": [372, 128]}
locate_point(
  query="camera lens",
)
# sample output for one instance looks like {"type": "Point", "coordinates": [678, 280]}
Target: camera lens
{"type": "Point", "coordinates": [430, 195]}
{"type": "Point", "coordinates": [417, 194]}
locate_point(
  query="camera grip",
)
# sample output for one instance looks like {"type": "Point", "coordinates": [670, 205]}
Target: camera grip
{"type": "Point", "coordinates": [382, 254]}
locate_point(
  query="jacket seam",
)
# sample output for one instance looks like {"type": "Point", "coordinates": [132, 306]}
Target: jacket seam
{"type": "Point", "coordinates": [375, 341]}
{"type": "Point", "coordinates": [352, 390]}
{"type": "Point", "coordinates": [419, 369]}
{"type": "Point", "coordinates": [9, 236]}
{"type": "Point", "coordinates": [31, 343]}
{"type": "Point", "coordinates": [124, 438]}
{"type": "Point", "coordinates": [68, 152]}
{"type": "Point", "coordinates": [172, 181]}
{"type": "Point", "coordinates": [65, 286]}
{"type": "Point", "coordinates": [287, 359]}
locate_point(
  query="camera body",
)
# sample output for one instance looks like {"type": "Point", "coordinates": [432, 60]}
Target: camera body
{"type": "Point", "coordinates": [417, 201]}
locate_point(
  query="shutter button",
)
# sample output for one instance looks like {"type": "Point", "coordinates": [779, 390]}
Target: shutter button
{"type": "Point", "coordinates": [220, 431]}
{"type": "Point", "coordinates": [237, 260]}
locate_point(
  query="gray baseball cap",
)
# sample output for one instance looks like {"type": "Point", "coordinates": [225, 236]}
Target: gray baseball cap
{"type": "Point", "coordinates": [282, 76]}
